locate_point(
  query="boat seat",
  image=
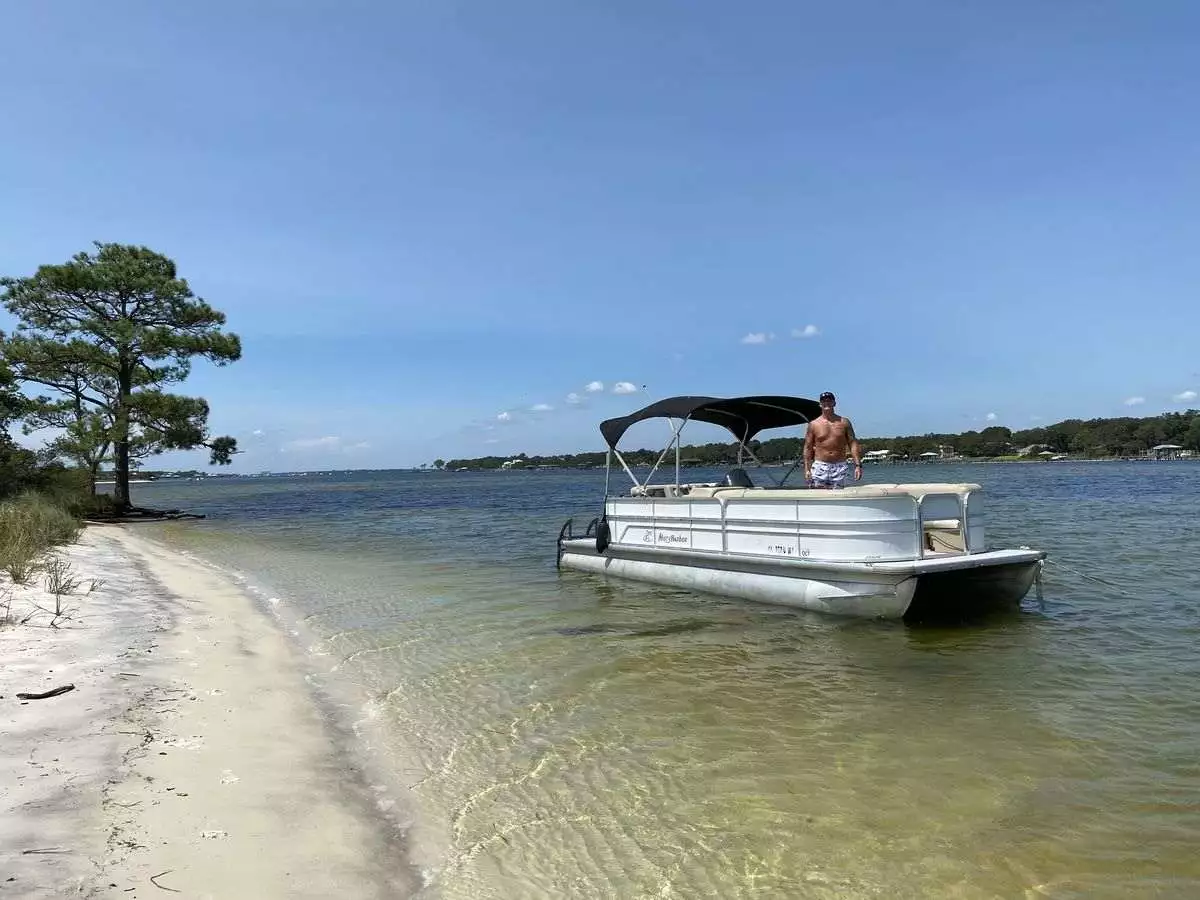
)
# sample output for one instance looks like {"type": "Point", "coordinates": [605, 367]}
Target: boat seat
{"type": "Point", "coordinates": [942, 536]}
{"type": "Point", "coordinates": [800, 492]}
{"type": "Point", "coordinates": [920, 489]}
{"type": "Point", "coordinates": [703, 492]}
{"type": "Point", "coordinates": [943, 524]}
{"type": "Point", "coordinates": [656, 490]}
{"type": "Point", "coordinates": [818, 496]}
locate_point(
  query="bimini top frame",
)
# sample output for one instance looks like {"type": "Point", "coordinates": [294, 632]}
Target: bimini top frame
{"type": "Point", "coordinates": [743, 417]}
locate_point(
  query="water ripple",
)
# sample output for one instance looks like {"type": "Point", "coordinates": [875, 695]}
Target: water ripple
{"type": "Point", "coordinates": [567, 736]}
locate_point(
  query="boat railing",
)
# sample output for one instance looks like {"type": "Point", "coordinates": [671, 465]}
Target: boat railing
{"type": "Point", "coordinates": [940, 523]}
{"type": "Point", "coordinates": [962, 533]}
{"type": "Point", "coordinates": [567, 533]}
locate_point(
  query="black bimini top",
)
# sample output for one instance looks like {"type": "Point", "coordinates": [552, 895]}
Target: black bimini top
{"type": "Point", "coordinates": [743, 416]}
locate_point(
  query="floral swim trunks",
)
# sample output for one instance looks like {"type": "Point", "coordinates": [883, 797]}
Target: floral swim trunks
{"type": "Point", "coordinates": [830, 475]}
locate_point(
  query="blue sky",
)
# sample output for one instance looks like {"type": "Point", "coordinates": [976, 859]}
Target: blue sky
{"type": "Point", "coordinates": [422, 216]}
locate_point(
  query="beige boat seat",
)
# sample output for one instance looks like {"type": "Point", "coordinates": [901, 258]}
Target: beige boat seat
{"type": "Point", "coordinates": [710, 491]}
{"type": "Point", "coordinates": [818, 495]}
{"type": "Point", "coordinates": [942, 524]}
{"type": "Point", "coordinates": [943, 536]}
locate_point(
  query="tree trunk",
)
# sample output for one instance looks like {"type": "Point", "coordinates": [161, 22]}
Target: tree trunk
{"type": "Point", "coordinates": [121, 500]}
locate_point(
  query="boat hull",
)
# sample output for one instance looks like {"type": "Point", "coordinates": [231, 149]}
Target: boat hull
{"type": "Point", "coordinates": [894, 591]}
{"type": "Point", "coordinates": [966, 593]}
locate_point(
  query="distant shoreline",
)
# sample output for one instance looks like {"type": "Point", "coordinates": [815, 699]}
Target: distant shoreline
{"type": "Point", "coordinates": [991, 461]}
{"type": "Point", "coordinates": [592, 468]}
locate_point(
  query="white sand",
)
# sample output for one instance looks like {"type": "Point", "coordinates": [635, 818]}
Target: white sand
{"type": "Point", "coordinates": [191, 746]}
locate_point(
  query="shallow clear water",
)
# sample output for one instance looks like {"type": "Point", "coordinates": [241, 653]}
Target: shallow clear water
{"type": "Point", "coordinates": [566, 736]}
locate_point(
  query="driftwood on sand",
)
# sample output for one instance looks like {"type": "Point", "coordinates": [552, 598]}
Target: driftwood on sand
{"type": "Point", "coordinates": [43, 695]}
{"type": "Point", "coordinates": [141, 514]}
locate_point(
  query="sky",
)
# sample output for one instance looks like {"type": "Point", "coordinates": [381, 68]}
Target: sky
{"type": "Point", "coordinates": [449, 229]}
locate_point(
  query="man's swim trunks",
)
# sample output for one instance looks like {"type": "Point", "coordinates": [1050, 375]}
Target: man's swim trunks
{"type": "Point", "coordinates": [829, 475]}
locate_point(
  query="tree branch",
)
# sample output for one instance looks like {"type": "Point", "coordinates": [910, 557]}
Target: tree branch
{"type": "Point", "coordinates": [68, 389]}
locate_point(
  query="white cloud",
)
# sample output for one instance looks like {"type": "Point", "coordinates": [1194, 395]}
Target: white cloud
{"type": "Point", "coordinates": [573, 399]}
{"type": "Point", "coordinates": [991, 417]}
{"type": "Point", "coordinates": [325, 443]}
{"type": "Point", "coordinates": [1135, 401]}
{"type": "Point", "coordinates": [594, 386]}
{"type": "Point", "coordinates": [541, 407]}
{"type": "Point", "coordinates": [624, 387]}
{"type": "Point", "coordinates": [492, 441]}
{"type": "Point", "coordinates": [806, 332]}
{"type": "Point", "coordinates": [504, 417]}
{"type": "Point", "coordinates": [328, 442]}
{"type": "Point", "coordinates": [257, 432]}
{"type": "Point", "coordinates": [1184, 396]}
{"type": "Point", "coordinates": [758, 337]}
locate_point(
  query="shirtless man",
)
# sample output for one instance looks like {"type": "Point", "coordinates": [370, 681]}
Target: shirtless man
{"type": "Point", "coordinates": [828, 440]}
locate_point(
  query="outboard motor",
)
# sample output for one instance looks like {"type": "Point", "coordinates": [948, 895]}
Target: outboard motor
{"type": "Point", "coordinates": [738, 477]}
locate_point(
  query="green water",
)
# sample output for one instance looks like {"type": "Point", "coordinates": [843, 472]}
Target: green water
{"type": "Point", "coordinates": [556, 735]}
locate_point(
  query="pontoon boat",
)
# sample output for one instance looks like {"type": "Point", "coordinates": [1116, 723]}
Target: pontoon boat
{"type": "Point", "coordinates": [882, 550]}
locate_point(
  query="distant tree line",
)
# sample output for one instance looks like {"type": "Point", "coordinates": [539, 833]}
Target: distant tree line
{"type": "Point", "coordinates": [1088, 438]}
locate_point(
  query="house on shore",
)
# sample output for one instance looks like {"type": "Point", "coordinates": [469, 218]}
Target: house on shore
{"type": "Point", "coordinates": [1167, 451]}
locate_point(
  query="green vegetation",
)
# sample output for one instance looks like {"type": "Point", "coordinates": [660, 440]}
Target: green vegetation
{"type": "Point", "coordinates": [98, 338]}
{"type": "Point", "coordinates": [30, 525]}
{"type": "Point", "coordinates": [106, 333]}
{"type": "Point", "coordinates": [1092, 438]}
{"type": "Point", "coordinates": [41, 505]}
{"type": "Point", "coordinates": [1089, 439]}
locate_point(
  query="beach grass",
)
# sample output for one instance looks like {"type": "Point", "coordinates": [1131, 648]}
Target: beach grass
{"type": "Point", "coordinates": [30, 525]}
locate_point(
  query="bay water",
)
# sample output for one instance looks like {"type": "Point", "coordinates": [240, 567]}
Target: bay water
{"type": "Point", "coordinates": [559, 735]}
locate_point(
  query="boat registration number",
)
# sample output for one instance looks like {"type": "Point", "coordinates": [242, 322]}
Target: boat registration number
{"type": "Point", "coordinates": [788, 550]}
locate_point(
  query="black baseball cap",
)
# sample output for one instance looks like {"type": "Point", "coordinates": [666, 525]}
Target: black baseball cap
{"type": "Point", "coordinates": [828, 395]}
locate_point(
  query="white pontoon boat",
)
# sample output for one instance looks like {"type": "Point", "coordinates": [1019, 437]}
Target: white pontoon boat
{"type": "Point", "coordinates": [892, 551]}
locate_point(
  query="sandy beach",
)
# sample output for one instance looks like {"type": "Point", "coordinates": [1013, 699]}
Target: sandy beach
{"type": "Point", "coordinates": [190, 756]}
